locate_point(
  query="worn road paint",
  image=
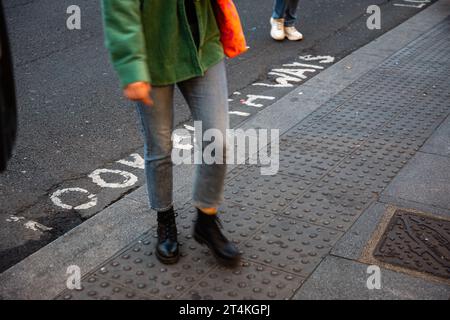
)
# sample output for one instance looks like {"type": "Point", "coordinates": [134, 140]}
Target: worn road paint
{"type": "Point", "coordinates": [283, 81]}
{"type": "Point", "coordinates": [320, 59]}
{"type": "Point", "coordinates": [31, 225]}
{"type": "Point", "coordinates": [303, 65]}
{"type": "Point", "coordinates": [299, 73]}
{"type": "Point", "coordinates": [55, 197]}
{"type": "Point", "coordinates": [420, 4]}
{"type": "Point", "coordinates": [14, 219]}
{"type": "Point", "coordinates": [295, 72]}
{"type": "Point", "coordinates": [138, 161]}
{"type": "Point", "coordinates": [36, 226]}
{"type": "Point", "coordinates": [130, 179]}
{"type": "Point", "coordinates": [250, 102]}
{"type": "Point", "coordinates": [239, 113]}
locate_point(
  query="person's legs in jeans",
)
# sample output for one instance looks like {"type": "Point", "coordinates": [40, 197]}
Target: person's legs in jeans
{"type": "Point", "coordinates": [279, 9]}
{"type": "Point", "coordinates": [207, 97]}
{"type": "Point", "coordinates": [290, 13]}
{"type": "Point", "coordinates": [157, 125]}
{"type": "Point", "coordinates": [287, 10]}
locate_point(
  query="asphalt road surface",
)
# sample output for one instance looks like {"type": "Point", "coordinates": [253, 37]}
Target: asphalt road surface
{"type": "Point", "coordinates": [74, 121]}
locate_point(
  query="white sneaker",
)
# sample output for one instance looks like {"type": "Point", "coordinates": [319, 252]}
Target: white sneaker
{"type": "Point", "coordinates": [293, 34]}
{"type": "Point", "coordinates": [277, 30]}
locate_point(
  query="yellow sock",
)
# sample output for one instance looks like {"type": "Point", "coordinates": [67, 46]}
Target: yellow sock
{"type": "Point", "coordinates": [209, 211]}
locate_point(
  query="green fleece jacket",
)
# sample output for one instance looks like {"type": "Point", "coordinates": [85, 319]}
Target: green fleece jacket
{"type": "Point", "coordinates": [151, 40]}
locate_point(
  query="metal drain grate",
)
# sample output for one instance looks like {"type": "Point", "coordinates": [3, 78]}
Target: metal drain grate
{"type": "Point", "coordinates": [416, 242]}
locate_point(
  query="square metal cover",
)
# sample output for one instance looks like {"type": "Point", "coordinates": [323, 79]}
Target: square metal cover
{"type": "Point", "coordinates": [416, 242]}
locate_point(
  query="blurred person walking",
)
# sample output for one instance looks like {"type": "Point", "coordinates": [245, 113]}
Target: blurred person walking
{"type": "Point", "coordinates": [155, 45]}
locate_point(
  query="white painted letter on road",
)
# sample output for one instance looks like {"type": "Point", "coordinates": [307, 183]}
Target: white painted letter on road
{"type": "Point", "coordinates": [56, 199]}
{"type": "Point", "coordinates": [137, 161]}
{"type": "Point", "coordinates": [320, 59]}
{"type": "Point", "coordinates": [130, 179]}
{"type": "Point", "coordinates": [252, 98]}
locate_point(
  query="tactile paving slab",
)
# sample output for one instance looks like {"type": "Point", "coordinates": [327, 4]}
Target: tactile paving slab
{"type": "Point", "coordinates": [290, 245]}
{"type": "Point", "coordinates": [239, 222]}
{"type": "Point", "coordinates": [269, 193]}
{"type": "Point", "coordinates": [340, 98]}
{"type": "Point", "coordinates": [307, 164]}
{"type": "Point", "coordinates": [424, 117]}
{"type": "Point", "coordinates": [372, 166]}
{"type": "Point", "coordinates": [332, 138]}
{"type": "Point", "coordinates": [97, 288]}
{"type": "Point", "coordinates": [416, 242]}
{"type": "Point", "coordinates": [407, 80]}
{"type": "Point", "coordinates": [138, 268]}
{"type": "Point", "coordinates": [384, 150]}
{"type": "Point", "coordinates": [426, 47]}
{"type": "Point", "coordinates": [335, 208]}
{"type": "Point", "coordinates": [251, 281]}
{"type": "Point", "coordinates": [351, 118]}
{"type": "Point", "coordinates": [406, 136]}
{"type": "Point", "coordinates": [135, 273]}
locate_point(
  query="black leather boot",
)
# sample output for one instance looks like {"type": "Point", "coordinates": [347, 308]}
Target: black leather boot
{"type": "Point", "coordinates": [167, 247]}
{"type": "Point", "coordinates": [207, 231]}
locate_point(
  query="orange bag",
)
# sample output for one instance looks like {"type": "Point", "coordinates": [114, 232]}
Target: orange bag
{"type": "Point", "coordinates": [232, 34]}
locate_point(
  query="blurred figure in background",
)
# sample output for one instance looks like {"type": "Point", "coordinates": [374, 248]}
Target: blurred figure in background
{"type": "Point", "coordinates": [8, 116]}
{"type": "Point", "coordinates": [283, 20]}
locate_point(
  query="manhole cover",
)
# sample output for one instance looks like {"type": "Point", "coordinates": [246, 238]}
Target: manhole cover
{"type": "Point", "coordinates": [416, 242]}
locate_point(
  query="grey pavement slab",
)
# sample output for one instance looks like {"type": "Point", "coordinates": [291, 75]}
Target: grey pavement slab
{"type": "Point", "coordinates": [425, 179]}
{"type": "Point", "coordinates": [251, 281]}
{"type": "Point", "coordinates": [350, 69]}
{"type": "Point", "coordinates": [352, 244]}
{"type": "Point", "coordinates": [332, 207]}
{"type": "Point", "coordinates": [291, 109]}
{"type": "Point", "coordinates": [290, 245]}
{"type": "Point", "coordinates": [439, 142]}
{"type": "Point", "coordinates": [98, 288]}
{"type": "Point", "coordinates": [401, 203]}
{"type": "Point", "coordinates": [341, 279]}
{"type": "Point", "coordinates": [269, 193]}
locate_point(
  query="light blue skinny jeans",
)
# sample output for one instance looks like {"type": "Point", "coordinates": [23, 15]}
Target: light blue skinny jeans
{"type": "Point", "coordinates": [207, 98]}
